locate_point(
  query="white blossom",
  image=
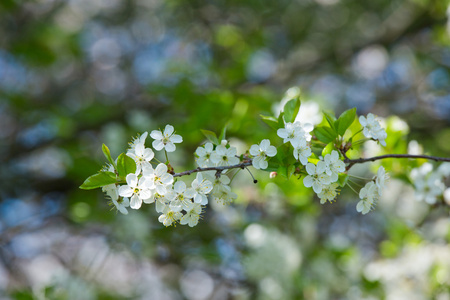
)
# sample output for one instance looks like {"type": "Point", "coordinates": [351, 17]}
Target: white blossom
{"type": "Point", "coordinates": [380, 180]}
{"type": "Point", "coordinates": [166, 139]}
{"type": "Point", "coordinates": [317, 177]}
{"type": "Point", "coordinates": [137, 189]}
{"type": "Point", "coordinates": [170, 217]}
{"type": "Point", "coordinates": [158, 178]}
{"type": "Point", "coordinates": [223, 194]}
{"type": "Point", "coordinates": [328, 193]}
{"type": "Point", "coordinates": [333, 165]}
{"type": "Point", "coordinates": [112, 192]}
{"type": "Point", "coordinates": [224, 156]}
{"type": "Point", "coordinates": [204, 155]}
{"type": "Point", "coordinates": [302, 152]}
{"type": "Point", "coordinates": [192, 216]}
{"type": "Point", "coordinates": [200, 188]}
{"type": "Point", "coordinates": [142, 156]}
{"type": "Point", "coordinates": [295, 132]}
{"type": "Point", "coordinates": [373, 129]}
{"type": "Point", "coordinates": [261, 152]}
{"type": "Point", "coordinates": [182, 199]}
{"type": "Point", "coordinates": [368, 195]}
{"type": "Point", "coordinates": [139, 140]}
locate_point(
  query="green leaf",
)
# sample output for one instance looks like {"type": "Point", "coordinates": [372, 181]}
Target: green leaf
{"type": "Point", "coordinates": [342, 180]}
{"type": "Point", "coordinates": [280, 120]}
{"type": "Point", "coordinates": [345, 120]}
{"type": "Point", "coordinates": [273, 165]}
{"type": "Point", "coordinates": [98, 180]}
{"type": "Point", "coordinates": [291, 110]}
{"type": "Point", "coordinates": [282, 170]}
{"type": "Point", "coordinates": [290, 171]}
{"type": "Point", "coordinates": [331, 119]}
{"type": "Point", "coordinates": [211, 136]}
{"type": "Point", "coordinates": [328, 149]}
{"type": "Point", "coordinates": [271, 121]}
{"type": "Point", "coordinates": [125, 165]}
{"type": "Point", "coordinates": [223, 133]}
{"type": "Point", "coordinates": [107, 154]}
{"type": "Point", "coordinates": [325, 134]}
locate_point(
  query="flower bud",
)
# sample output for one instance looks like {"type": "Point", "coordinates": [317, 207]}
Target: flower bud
{"type": "Point", "coordinates": [273, 174]}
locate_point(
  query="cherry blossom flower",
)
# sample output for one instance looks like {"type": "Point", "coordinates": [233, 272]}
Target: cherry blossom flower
{"type": "Point", "coordinates": [204, 155]}
{"type": "Point", "coordinates": [112, 192]}
{"type": "Point", "coordinates": [302, 151]}
{"type": "Point", "coordinates": [165, 140]}
{"type": "Point", "coordinates": [158, 178]}
{"type": "Point", "coordinates": [261, 152]}
{"type": "Point", "coordinates": [368, 195]}
{"type": "Point", "coordinates": [328, 193]}
{"type": "Point", "coordinates": [170, 217]}
{"type": "Point", "coordinates": [373, 129]}
{"type": "Point", "coordinates": [142, 156]}
{"type": "Point", "coordinates": [317, 177]}
{"type": "Point", "coordinates": [182, 199]}
{"type": "Point", "coordinates": [380, 180]}
{"type": "Point", "coordinates": [200, 188]}
{"type": "Point", "coordinates": [192, 216]}
{"type": "Point", "coordinates": [137, 189]}
{"type": "Point", "coordinates": [333, 165]}
{"type": "Point", "coordinates": [224, 156]}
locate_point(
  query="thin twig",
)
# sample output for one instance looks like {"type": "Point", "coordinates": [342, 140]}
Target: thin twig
{"type": "Point", "coordinates": [242, 165]}
{"type": "Point", "coordinates": [351, 162]}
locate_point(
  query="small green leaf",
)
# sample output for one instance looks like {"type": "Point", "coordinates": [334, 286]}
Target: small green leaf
{"type": "Point", "coordinates": [273, 165]}
{"type": "Point", "coordinates": [107, 154]}
{"type": "Point", "coordinates": [328, 149]}
{"type": "Point", "coordinates": [211, 136]}
{"type": "Point", "coordinates": [223, 133]}
{"type": "Point", "coordinates": [291, 110]}
{"type": "Point", "coordinates": [271, 121]}
{"type": "Point", "coordinates": [342, 180]}
{"type": "Point", "coordinates": [281, 120]}
{"type": "Point", "coordinates": [290, 171]}
{"type": "Point", "coordinates": [331, 119]}
{"type": "Point", "coordinates": [345, 120]}
{"type": "Point", "coordinates": [282, 170]}
{"type": "Point", "coordinates": [125, 165]}
{"type": "Point", "coordinates": [325, 134]}
{"type": "Point", "coordinates": [98, 180]}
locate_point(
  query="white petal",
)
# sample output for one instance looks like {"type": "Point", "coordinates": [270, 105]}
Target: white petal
{"type": "Point", "coordinates": [271, 151]}
{"type": "Point", "coordinates": [170, 147]}
{"type": "Point", "coordinates": [168, 130]}
{"type": "Point", "coordinates": [176, 138]}
{"type": "Point", "coordinates": [156, 135]}
{"type": "Point", "coordinates": [254, 150]}
{"type": "Point", "coordinates": [125, 191]}
{"type": "Point", "coordinates": [311, 169]}
{"type": "Point", "coordinates": [158, 145]}
{"type": "Point", "coordinates": [179, 187]}
{"type": "Point", "coordinates": [264, 145]}
{"type": "Point", "coordinates": [308, 181]}
{"type": "Point", "coordinates": [135, 202]}
{"type": "Point", "coordinates": [132, 180]}
{"type": "Point", "coordinates": [200, 151]}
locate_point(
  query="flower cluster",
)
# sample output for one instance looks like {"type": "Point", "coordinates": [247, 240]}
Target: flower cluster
{"type": "Point", "coordinates": [298, 135]}
{"type": "Point", "coordinates": [323, 176]}
{"type": "Point", "coordinates": [149, 184]}
{"type": "Point", "coordinates": [429, 184]}
{"type": "Point", "coordinates": [372, 128]}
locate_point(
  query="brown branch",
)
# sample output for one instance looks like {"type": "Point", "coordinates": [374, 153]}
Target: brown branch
{"type": "Point", "coordinates": [351, 162]}
{"type": "Point", "coordinates": [242, 165]}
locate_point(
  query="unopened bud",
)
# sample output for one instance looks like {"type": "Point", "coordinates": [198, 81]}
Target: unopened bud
{"type": "Point", "coordinates": [273, 174]}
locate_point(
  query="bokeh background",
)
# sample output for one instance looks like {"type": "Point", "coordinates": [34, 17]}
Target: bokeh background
{"type": "Point", "coordinates": [78, 73]}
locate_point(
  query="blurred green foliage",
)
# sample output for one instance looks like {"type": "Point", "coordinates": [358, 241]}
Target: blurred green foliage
{"type": "Point", "coordinates": [76, 74]}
